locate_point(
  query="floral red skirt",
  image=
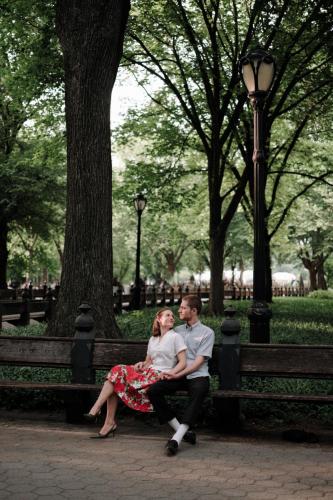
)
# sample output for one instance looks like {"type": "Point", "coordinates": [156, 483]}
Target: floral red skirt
{"type": "Point", "coordinates": [131, 386]}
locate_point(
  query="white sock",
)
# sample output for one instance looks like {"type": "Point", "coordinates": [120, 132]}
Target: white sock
{"type": "Point", "coordinates": [181, 431]}
{"type": "Point", "coordinates": [174, 424]}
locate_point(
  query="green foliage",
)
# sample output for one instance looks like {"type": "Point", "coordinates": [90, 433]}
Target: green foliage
{"type": "Point", "coordinates": [32, 202]}
{"type": "Point", "coordinates": [296, 320]}
{"type": "Point", "coordinates": [31, 128]}
{"type": "Point", "coordinates": [31, 399]}
{"type": "Point", "coordinates": [187, 57]}
{"type": "Point", "coordinates": [32, 182]}
{"type": "Point", "coordinates": [31, 69]}
{"type": "Point", "coordinates": [283, 413]}
{"type": "Point", "coordinates": [166, 244]}
{"type": "Point", "coordinates": [322, 294]}
{"type": "Point", "coordinates": [35, 330]}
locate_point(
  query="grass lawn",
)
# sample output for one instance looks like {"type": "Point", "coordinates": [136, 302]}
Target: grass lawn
{"type": "Point", "coordinates": [296, 320]}
{"type": "Point", "coordinates": [299, 320]}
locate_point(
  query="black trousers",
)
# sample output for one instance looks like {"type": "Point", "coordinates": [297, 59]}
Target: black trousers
{"type": "Point", "coordinates": [197, 389]}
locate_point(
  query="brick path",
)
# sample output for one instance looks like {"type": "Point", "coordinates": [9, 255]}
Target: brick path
{"type": "Point", "coordinates": [52, 460]}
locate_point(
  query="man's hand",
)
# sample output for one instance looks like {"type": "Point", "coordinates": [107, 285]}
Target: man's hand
{"type": "Point", "coordinates": [170, 376]}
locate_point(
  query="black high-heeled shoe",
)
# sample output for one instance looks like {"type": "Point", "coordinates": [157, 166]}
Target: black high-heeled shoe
{"type": "Point", "coordinates": [107, 434]}
{"type": "Point", "coordinates": [89, 417]}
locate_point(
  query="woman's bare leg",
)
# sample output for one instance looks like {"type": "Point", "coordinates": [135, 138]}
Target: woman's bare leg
{"type": "Point", "coordinates": [106, 392]}
{"type": "Point", "coordinates": [112, 404]}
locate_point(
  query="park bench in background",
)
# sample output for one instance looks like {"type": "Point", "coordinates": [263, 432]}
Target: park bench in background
{"type": "Point", "coordinates": [20, 312]}
{"type": "Point", "coordinates": [18, 306]}
{"type": "Point", "coordinates": [161, 296]}
{"type": "Point", "coordinates": [83, 355]}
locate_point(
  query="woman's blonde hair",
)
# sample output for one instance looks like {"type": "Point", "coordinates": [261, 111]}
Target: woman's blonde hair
{"type": "Point", "coordinates": [156, 329]}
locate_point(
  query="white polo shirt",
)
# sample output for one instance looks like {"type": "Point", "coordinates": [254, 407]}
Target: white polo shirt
{"type": "Point", "coordinates": [163, 350]}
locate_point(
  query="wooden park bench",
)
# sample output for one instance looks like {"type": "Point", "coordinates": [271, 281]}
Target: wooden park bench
{"type": "Point", "coordinates": [83, 355]}
{"type": "Point", "coordinates": [21, 312]}
{"type": "Point", "coordinates": [279, 361]}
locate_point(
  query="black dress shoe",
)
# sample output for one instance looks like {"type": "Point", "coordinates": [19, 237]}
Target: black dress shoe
{"type": "Point", "coordinates": [190, 437]}
{"type": "Point", "coordinates": [171, 447]}
{"type": "Point", "coordinates": [112, 430]}
{"type": "Point", "coordinates": [89, 417]}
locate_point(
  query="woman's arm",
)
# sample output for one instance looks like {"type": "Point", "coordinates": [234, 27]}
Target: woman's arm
{"type": "Point", "coordinates": [141, 365]}
{"type": "Point", "coordinates": [181, 356]}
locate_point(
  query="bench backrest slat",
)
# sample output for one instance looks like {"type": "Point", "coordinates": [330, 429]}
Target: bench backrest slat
{"type": "Point", "coordinates": [109, 353]}
{"type": "Point", "coordinates": [255, 359]}
{"type": "Point", "coordinates": [36, 351]}
{"type": "Point", "coordinates": [13, 307]}
{"type": "Point", "coordinates": [289, 360]}
{"type": "Point", "coordinates": [38, 306]}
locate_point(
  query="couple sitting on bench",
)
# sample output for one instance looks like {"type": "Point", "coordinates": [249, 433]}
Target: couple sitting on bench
{"type": "Point", "coordinates": [176, 360]}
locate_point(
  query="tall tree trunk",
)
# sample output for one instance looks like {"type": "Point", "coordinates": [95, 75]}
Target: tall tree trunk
{"type": "Point", "coordinates": [218, 226]}
{"type": "Point", "coordinates": [216, 275]}
{"type": "Point", "coordinates": [3, 254]}
{"type": "Point", "coordinates": [311, 266]}
{"type": "Point", "coordinates": [313, 278]}
{"type": "Point", "coordinates": [171, 264]}
{"type": "Point", "coordinates": [241, 271]}
{"type": "Point", "coordinates": [322, 285]}
{"type": "Point", "coordinates": [91, 35]}
{"type": "Point", "coordinates": [216, 249]}
{"type": "Point", "coordinates": [45, 274]}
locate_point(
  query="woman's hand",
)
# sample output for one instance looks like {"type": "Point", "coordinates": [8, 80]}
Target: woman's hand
{"type": "Point", "coordinates": [139, 366]}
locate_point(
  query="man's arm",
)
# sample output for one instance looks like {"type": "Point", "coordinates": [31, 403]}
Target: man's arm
{"type": "Point", "coordinates": [199, 360]}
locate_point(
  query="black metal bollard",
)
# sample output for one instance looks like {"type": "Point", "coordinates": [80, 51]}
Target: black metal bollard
{"type": "Point", "coordinates": [49, 311]}
{"type": "Point", "coordinates": [163, 297]}
{"type": "Point", "coordinates": [119, 301]}
{"type": "Point", "coordinates": [153, 296]}
{"type": "Point", "coordinates": [79, 402]}
{"type": "Point", "coordinates": [172, 297]}
{"type": "Point", "coordinates": [229, 379]}
{"type": "Point", "coordinates": [180, 291]}
{"type": "Point", "coordinates": [25, 308]}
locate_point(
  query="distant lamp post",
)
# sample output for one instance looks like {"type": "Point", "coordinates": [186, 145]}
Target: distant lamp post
{"type": "Point", "coordinates": [258, 70]}
{"type": "Point", "coordinates": [139, 203]}
{"type": "Point", "coordinates": [233, 267]}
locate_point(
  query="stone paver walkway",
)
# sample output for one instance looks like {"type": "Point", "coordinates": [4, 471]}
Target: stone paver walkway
{"type": "Point", "coordinates": [47, 460]}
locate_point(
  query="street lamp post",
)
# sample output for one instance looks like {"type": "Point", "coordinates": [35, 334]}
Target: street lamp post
{"type": "Point", "coordinates": [257, 70]}
{"type": "Point", "coordinates": [139, 204]}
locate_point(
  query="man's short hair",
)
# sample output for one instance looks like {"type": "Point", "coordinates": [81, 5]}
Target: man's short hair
{"type": "Point", "coordinates": [194, 302]}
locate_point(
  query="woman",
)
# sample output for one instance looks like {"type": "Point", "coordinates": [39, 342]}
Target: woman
{"type": "Point", "coordinates": [165, 355]}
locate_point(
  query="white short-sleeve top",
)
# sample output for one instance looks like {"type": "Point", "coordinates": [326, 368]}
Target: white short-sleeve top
{"type": "Point", "coordinates": [163, 350]}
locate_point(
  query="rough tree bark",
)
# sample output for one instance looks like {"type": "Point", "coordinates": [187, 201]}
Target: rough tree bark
{"type": "Point", "coordinates": [322, 284]}
{"type": "Point", "coordinates": [311, 265]}
{"type": "Point", "coordinates": [91, 34]}
{"type": "Point", "coordinates": [3, 253]}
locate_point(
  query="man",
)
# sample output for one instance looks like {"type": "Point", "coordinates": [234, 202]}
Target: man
{"type": "Point", "coordinates": [199, 340]}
